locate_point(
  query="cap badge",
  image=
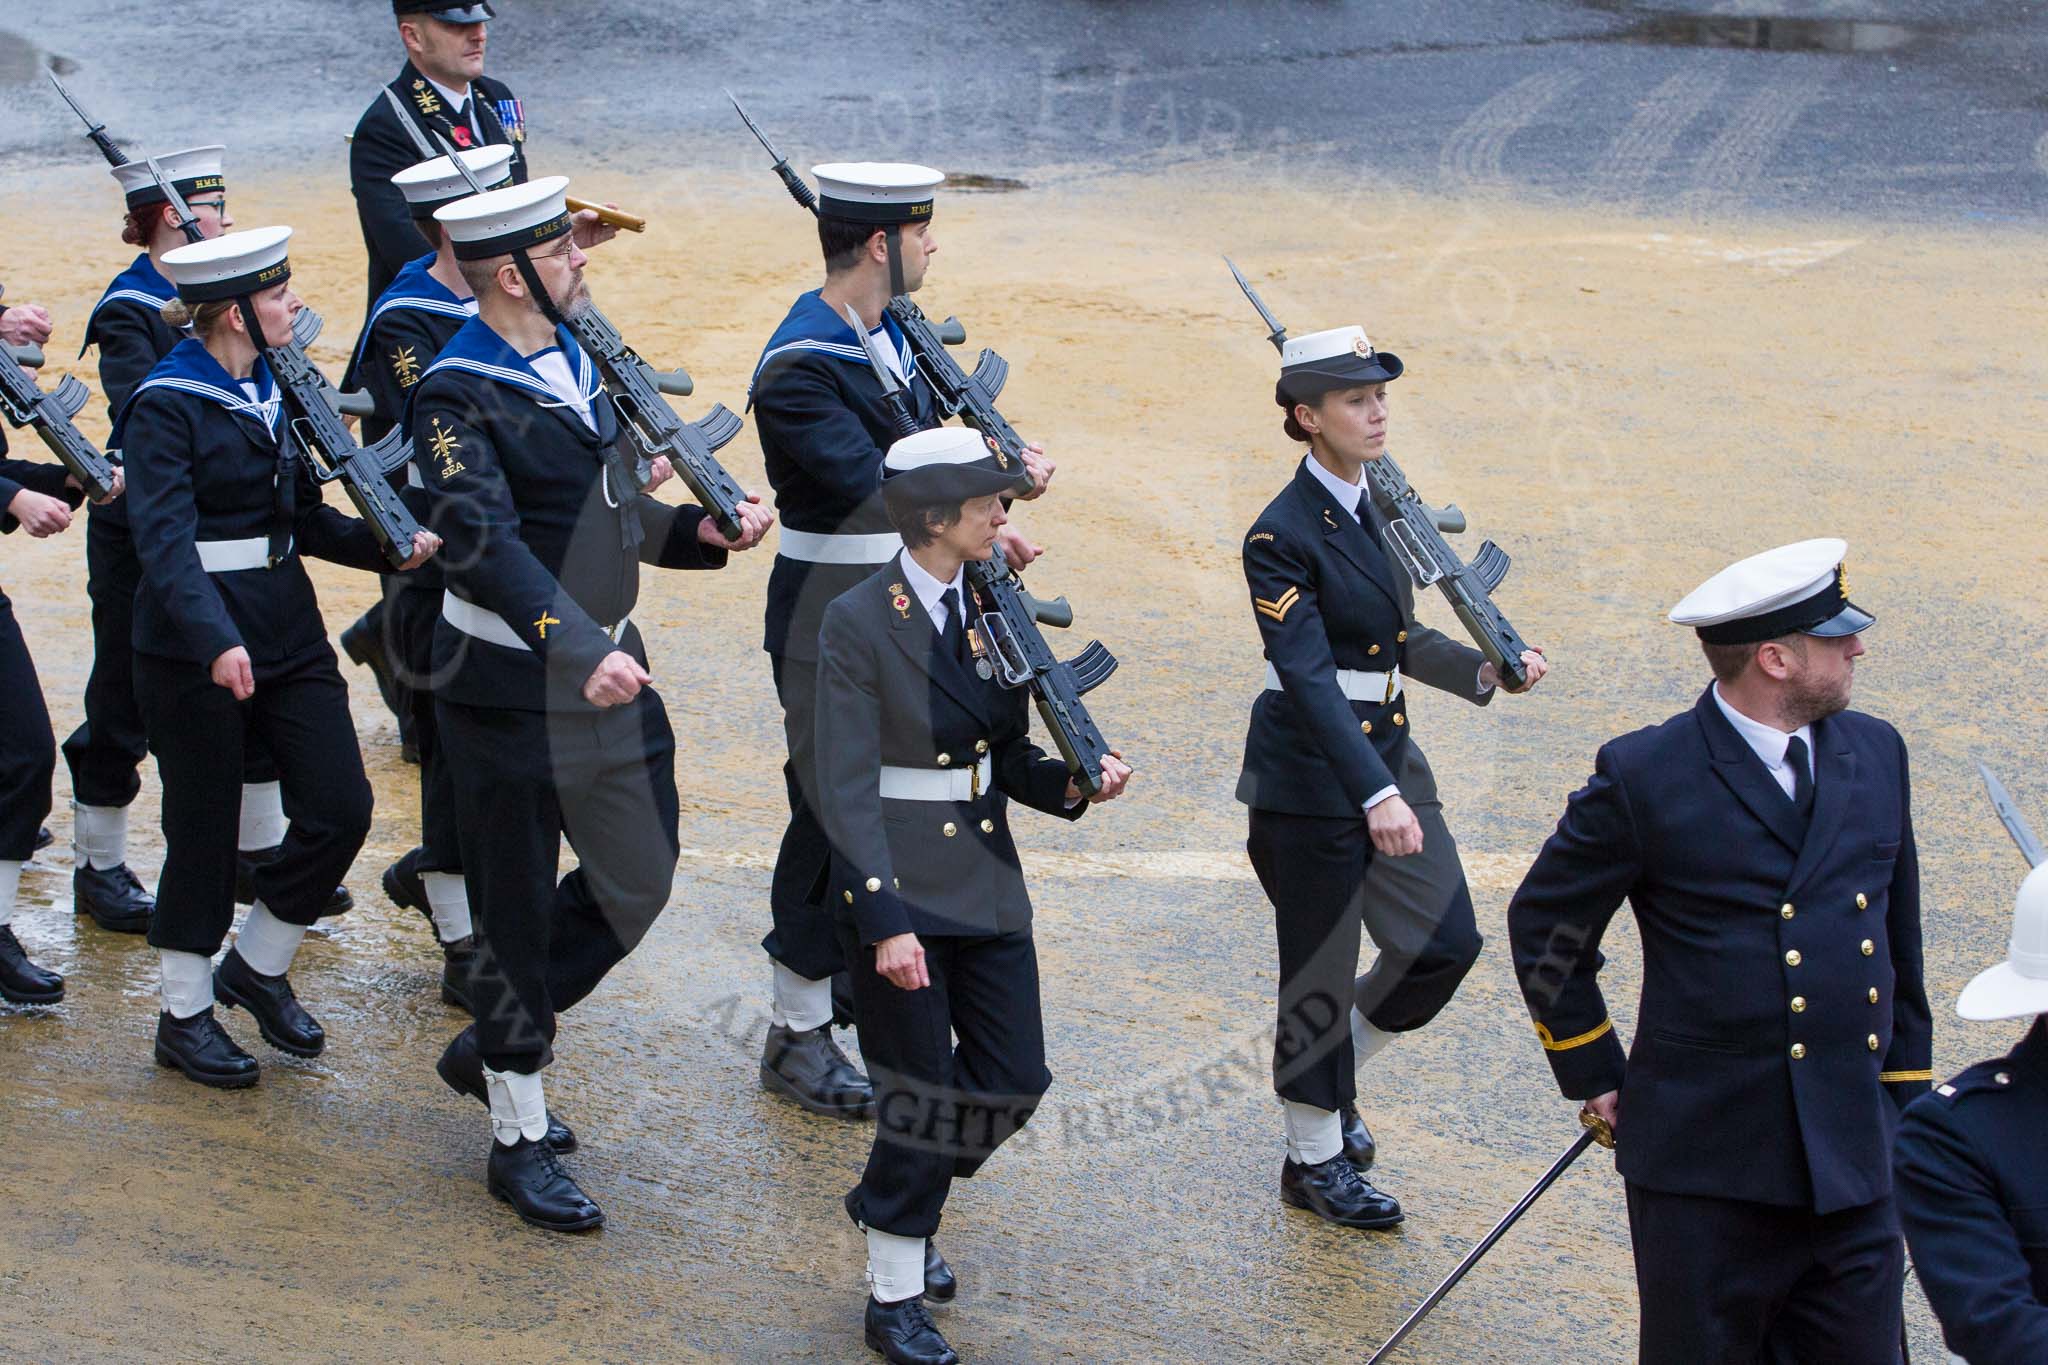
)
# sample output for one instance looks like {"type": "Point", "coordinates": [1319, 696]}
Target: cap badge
{"type": "Point", "coordinates": [1002, 460]}
{"type": "Point", "coordinates": [1842, 579]}
{"type": "Point", "coordinates": [1363, 347]}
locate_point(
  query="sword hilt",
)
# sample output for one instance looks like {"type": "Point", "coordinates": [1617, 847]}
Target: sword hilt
{"type": "Point", "coordinates": [1601, 1129]}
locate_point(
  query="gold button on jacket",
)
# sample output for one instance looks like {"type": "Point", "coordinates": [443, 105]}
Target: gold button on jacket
{"type": "Point", "coordinates": [1798, 1051]}
{"type": "Point", "coordinates": [988, 827]}
{"type": "Point", "coordinates": [1365, 726]}
{"type": "Point", "coordinates": [1862, 901]}
{"type": "Point", "coordinates": [1868, 947]}
{"type": "Point", "coordinates": [1799, 1004]}
{"type": "Point", "coordinates": [1792, 958]}
{"type": "Point", "coordinates": [1785, 911]}
{"type": "Point", "coordinates": [945, 760]}
{"type": "Point", "coordinates": [1873, 1042]}
{"type": "Point", "coordinates": [874, 884]}
{"type": "Point", "coordinates": [1873, 995]}
{"type": "Point", "coordinates": [949, 829]}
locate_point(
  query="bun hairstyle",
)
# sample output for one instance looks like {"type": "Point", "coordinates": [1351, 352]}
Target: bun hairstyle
{"type": "Point", "coordinates": [1293, 428]}
{"type": "Point", "coordinates": [1303, 391]}
{"type": "Point", "coordinates": [202, 319]}
{"type": "Point", "coordinates": [134, 228]}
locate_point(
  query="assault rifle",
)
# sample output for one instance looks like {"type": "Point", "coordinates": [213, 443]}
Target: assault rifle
{"type": "Point", "coordinates": [970, 397]}
{"type": "Point", "coordinates": [1012, 646]}
{"type": "Point", "coordinates": [24, 404]}
{"type": "Point", "coordinates": [1415, 537]}
{"type": "Point", "coordinates": [636, 390]}
{"type": "Point", "coordinates": [332, 453]}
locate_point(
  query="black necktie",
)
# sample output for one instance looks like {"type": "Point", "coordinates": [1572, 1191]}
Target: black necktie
{"type": "Point", "coordinates": [1802, 777]}
{"type": "Point", "coordinates": [954, 635]}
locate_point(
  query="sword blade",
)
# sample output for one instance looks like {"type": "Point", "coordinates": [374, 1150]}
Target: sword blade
{"type": "Point", "coordinates": [1278, 333]}
{"type": "Point", "coordinates": [2009, 815]}
{"type": "Point", "coordinates": [1557, 1168]}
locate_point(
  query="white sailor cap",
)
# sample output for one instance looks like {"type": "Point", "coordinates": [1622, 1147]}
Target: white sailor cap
{"type": "Point", "coordinates": [2017, 986]}
{"type": "Point", "coordinates": [231, 265]}
{"type": "Point", "coordinates": [1340, 358]}
{"type": "Point", "coordinates": [946, 464]}
{"type": "Point", "coordinates": [192, 171]}
{"type": "Point", "coordinates": [503, 221]}
{"type": "Point", "coordinates": [435, 184]}
{"type": "Point", "coordinates": [1801, 589]}
{"type": "Point", "coordinates": [878, 192]}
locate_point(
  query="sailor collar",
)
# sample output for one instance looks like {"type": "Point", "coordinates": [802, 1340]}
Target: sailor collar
{"type": "Point", "coordinates": [478, 350]}
{"type": "Point", "coordinates": [141, 283]}
{"type": "Point", "coordinates": [191, 368]}
{"type": "Point", "coordinates": [813, 326]}
{"type": "Point", "coordinates": [415, 288]}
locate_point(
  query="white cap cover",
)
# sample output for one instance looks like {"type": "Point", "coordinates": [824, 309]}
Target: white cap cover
{"type": "Point", "coordinates": [1797, 588]}
{"type": "Point", "coordinates": [431, 184]}
{"type": "Point", "coordinates": [192, 171]}
{"type": "Point", "coordinates": [946, 463]}
{"type": "Point", "coordinates": [879, 192]}
{"type": "Point", "coordinates": [227, 266]}
{"type": "Point", "coordinates": [502, 221]}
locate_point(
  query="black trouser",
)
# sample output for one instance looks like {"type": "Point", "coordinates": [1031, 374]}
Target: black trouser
{"type": "Point", "coordinates": [409, 615]}
{"type": "Point", "coordinates": [199, 734]}
{"type": "Point", "coordinates": [1326, 883]}
{"type": "Point", "coordinates": [105, 752]}
{"type": "Point", "coordinates": [942, 1109]}
{"type": "Point", "coordinates": [522, 780]}
{"type": "Point", "coordinates": [1729, 1282]}
{"type": "Point", "coordinates": [28, 750]}
{"type": "Point", "coordinates": [803, 938]}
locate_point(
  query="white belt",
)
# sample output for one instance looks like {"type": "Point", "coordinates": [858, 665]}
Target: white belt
{"type": "Point", "coordinates": [412, 476]}
{"type": "Point", "coordinates": [488, 626]}
{"type": "Point", "coordinates": [814, 548]}
{"type": "Point", "coordinates": [1355, 683]}
{"type": "Point", "coordinates": [231, 556]}
{"type": "Point", "coordinates": [936, 784]}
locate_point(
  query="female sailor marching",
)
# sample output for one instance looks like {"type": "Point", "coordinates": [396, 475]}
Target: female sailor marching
{"type": "Point", "coordinates": [229, 644]}
{"type": "Point", "coordinates": [1346, 828]}
{"type": "Point", "coordinates": [919, 756]}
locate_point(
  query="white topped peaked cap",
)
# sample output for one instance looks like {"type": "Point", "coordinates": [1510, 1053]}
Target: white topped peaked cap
{"type": "Point", "coordinates": [880, 192]}
{"type": "Point", "coordinates": [2017, 986]}
{"type": "Point", "coordinates": [431, 184]}
{"type": "Point", "coordinates": [1342, 357]}
{"type": "Point", "coordinates": [946, 464]}
{"type": "Point", "coordinates": [192, 171]}
{"type": "Point", "coordinates": [1800, 588]}
{"type": "Point", "coordinates": [499, 222]}
{"type": "Point", "coordinates": [230, 265]}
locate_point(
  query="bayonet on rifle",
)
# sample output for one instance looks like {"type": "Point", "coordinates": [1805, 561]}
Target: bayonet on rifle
{"type": "Point", "coordinates": [2009, 815]}
{"type": "Point", "coordinates": [798, 190]}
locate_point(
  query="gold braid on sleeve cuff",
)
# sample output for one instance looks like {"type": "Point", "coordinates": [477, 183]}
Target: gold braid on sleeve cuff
{"type": "Point", "coordinates": [1551, 1044]}
{"type": "Point", "coordinates": [1890, 1076]}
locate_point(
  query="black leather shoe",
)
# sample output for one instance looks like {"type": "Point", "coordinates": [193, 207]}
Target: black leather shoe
{"type": "Point", "coordinates": [249, 859]}
{"type": "Point", "coordinates": [529, 1177]}
{"type": "Point", "coordinates": [939, 1284]}
{"type": "Point", "coordinates": [404, 888]}
{"type": "Point", "coordinates": [1359, 1148]}
{"type": "Point", "coordinates": [280, 1017]}
{"type": "Point", "coordinates": [114, 897]}
{"type": "Point", "coordinates": [461, 1069]}
{"type": "Point", "coordinates": [1334, 1191]}
{"type": "Point", "coordinates": [809, 1068]}
{"type": "Point", "coordinates": [22, 981]}
{"type": "Point", "coordinates": [201, 1049]}
{"type": "Point", "coordinates": [458, 960]}
{"type": "Point", "coordinates": [904, 1334]}
{"type": "Point", "coordinates": [43, 839]}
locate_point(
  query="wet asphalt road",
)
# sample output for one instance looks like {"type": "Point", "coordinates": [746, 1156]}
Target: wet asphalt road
{"type": "Point", "coordinates": [1912, 109]}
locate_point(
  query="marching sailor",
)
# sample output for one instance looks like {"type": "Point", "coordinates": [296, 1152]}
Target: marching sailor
{"type": "Point", "coordinates": [542, 696]}
{"type": "Point", "coordinates": [38, 497]}
{"type": "Point", "coordinates": [824, 425]}
{"type": "Point", "coordinates": [1764, 840]}
{"type": "Point", "coordinates": [106, 750]}
{"type": "Point", "coordinates": [1346, 830]}
{"type": "Point", "coordinates": [229, 643]}
{"type": "Point", "coordinates": [422, 311]}
{"type": "Point", "coordinates": [920, 753]}
{"type": "Point", "coordinates": [1971, 1167]}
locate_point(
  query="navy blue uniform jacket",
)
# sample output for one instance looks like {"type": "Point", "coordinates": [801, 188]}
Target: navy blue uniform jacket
{"type": "Point", "coordinates": [128, 326]}
{"type": "Point", "coordinates": [824, 429]}
{"type": "Point", "coordinates": [538, 524]}
{"type": "Point", "coordinates": [890, 692]}
{"type": "Point", "coordinates": [1972, 1166]}
{"type": "Point", "coordinates": [203, 464]}
{"type": "Point", "coordinates": [1783, 1019]}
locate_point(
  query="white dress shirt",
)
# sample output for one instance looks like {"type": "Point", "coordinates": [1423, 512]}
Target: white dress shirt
{"type": "Point", "coordinates": [1769, 742]}
{"type": "Point", "coordinates": [931, 593]}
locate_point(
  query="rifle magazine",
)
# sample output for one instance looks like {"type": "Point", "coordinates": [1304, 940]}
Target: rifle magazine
{"type": "Point", "coordinates": [991, 372]}
{"type": "Point", "coordinates": [1491, 564]}
{"type": "Point", "coordinates": [71, 395]}
{"type": "Point", "coordinates": [719, 426]}
{"type": "Point", "coordinates": [1092, 667]}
